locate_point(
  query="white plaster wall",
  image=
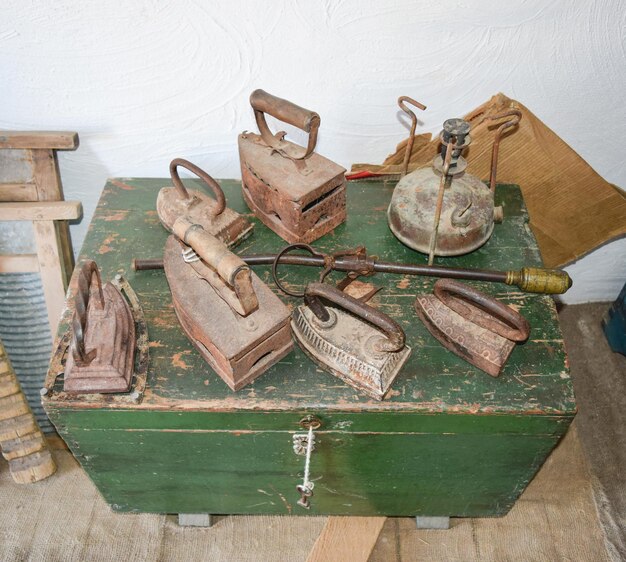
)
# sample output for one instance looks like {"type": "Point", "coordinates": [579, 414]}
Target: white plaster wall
{"type": "Point", "coordinates": [145, 81]}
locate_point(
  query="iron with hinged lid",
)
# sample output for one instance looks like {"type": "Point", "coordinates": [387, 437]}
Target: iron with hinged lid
{"type": "Point", "coordinates": [294, 191]}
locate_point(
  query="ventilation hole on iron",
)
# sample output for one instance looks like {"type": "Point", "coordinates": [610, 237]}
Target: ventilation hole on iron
{"type": "Point", "coordinates": [276, 216]}
{"type": "Point", "coordinates": [321, 198]}
{"type": "Point", "coordinates": [321, 219]}
{"type": "Point", "coordinates": [261, 359]}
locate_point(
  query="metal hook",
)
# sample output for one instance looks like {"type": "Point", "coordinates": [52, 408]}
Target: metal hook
{"type": "Point", "coordinates": [517, 117]}
{"type": "Point", "coordinates": [409, 145]}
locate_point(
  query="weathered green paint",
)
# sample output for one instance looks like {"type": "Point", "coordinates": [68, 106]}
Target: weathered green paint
{"type": "Point", "coordinates": [450, 440]}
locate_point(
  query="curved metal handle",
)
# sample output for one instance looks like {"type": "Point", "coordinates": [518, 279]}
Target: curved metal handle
{"type": "Point", "coordinates": [409, 145]}
{"type": "Point", "coordinates": [482, 309]}
{"type": "Point", "coordinates": [289, 112]}
{"type": "Point", "coordinates": [206, 178]}
{"type": "Point", "coordinates": [315, 292]}
{"type": "Point", "coordinates": [516, 115]}
{"type": "Point", "coordinates": [86, 273]}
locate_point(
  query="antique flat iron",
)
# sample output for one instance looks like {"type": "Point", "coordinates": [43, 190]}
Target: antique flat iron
{"type": "Point", "coordinates": [102, 348]}
{"type": "Point", "coordinates": [294, 191]}
{"type": "Point", "coordinates": [443, 210]}
{"type": "Point", "coordinates": [239, 326]}
{"type": "Point", "coordinates": [213, 215]}
{"type": "Point", "coordinates": [354, 341]}
{"type": "Point", "coordinates": [471, 324]}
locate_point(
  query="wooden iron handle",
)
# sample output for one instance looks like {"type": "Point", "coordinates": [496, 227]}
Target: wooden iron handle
{"type": "Point", "coordinates": [288, 112]}
{"type": "Point", "coordinates": [213, 252]}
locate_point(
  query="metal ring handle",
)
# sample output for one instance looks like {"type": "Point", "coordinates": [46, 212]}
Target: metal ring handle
{"type": "Point", "coordinates": [280, 254]}
{"type": "Point", "coordinates": [206, 178]}
{"type": "Point", "coordinates": [409, 144]}
{"type": "Point", "coordinates": [483, 309]}
{"type": "Point", "coordinates": [289, 112]}
{"type": "Point", "coordinates": [315, 292]}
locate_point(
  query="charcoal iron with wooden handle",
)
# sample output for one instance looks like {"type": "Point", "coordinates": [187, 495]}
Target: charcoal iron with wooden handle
{"type": "Point", "coordinates": [293, 190]}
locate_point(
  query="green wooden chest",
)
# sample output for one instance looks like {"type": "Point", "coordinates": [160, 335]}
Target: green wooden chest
{"type": "Point", "coordinates": [448, 441]}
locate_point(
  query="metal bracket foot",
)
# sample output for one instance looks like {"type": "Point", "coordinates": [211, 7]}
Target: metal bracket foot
{"type": "Point", "coordinates": [194, 520]}
{"type": "Point", "coordinates": [423, 522]}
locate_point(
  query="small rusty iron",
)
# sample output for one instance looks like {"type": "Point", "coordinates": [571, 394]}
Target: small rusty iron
{"type": "Point", "coordinates": [102, 347]}
{"type": "Point", "coordinates": [354, 341]}
{"type": "Point", "coordinates": [239, 326]}
{"type": "Point", "coordinates": [197, 207]}
{"type": "Point", "coordinates": [356, 261]}
{"type": "Point", "coordinates": [442, 210]}
{"type": "Point", "coordinates": [471, 324]}
{"type": "Point", "coordinates": [294, 191]}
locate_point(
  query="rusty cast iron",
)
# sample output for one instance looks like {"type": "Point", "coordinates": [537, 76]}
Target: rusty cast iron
{"type": "Point", "coordinates": [102, 348]}
{"type": "Point", "coordinates": [472, 324]}
{"type": "Point", "coordinates": [213, 215]}
{"type": "Point", "coordinates": [528, 279]}
{"type": "Point", "coordinates": [294, 191]}
{"type": "Point", "coordinates": [239, 326]}
{"type": "Point", "coordinates": [442, 210]}
{"type": "Point", "coordinates": [354, 341]}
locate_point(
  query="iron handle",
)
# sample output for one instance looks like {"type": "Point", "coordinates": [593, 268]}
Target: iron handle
{"type": "Point", "coordinates": [206, 178]}
{"type": "Point", "coordinates": [230, 267]}
{"type": "Point", "coordinates": [482, 309]}
{"type": "Point", "coordinates": [86, 273]}
{"type": "Point", "coordinates": [288, 112]}
{"type": "Point", "coordinates": [315, 292]}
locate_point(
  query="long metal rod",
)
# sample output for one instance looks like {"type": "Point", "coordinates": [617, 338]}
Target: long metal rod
{"type": "Point", "coordinates": [347, 264]}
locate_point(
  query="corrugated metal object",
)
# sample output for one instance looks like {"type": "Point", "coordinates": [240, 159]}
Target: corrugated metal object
{"type": "Point", "coordinates": [25, 333]}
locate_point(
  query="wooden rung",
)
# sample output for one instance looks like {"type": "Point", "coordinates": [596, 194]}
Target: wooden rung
{"type": "Point", "coordinates": [18, 426]}
{"type": "Point", "coordinates": [18, 192]}
{"type": "Point", "coordinates": [23, 446]}
{"type": "Point", "coordinates": [33, 467]}
{"type": "Point", "coordinates": [19, 263]}
{"type": "Point", "coordinates": [56, 140]}
{"type": "Point", "coordinates": [41, 211]}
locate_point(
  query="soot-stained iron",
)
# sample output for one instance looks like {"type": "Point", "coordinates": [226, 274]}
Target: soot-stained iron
{"type": "Point", "coordinates": [471, 324]}
{"type": "Point", "coordinates": [294, 191]}
{"type": "Point", "coordinates": [213, 215]}
{"type": "Point", "coordinates": [442, 210]}
{"type": "Point", "coordinates": [102, 348]}
{"type": "Point", "coordinates": [239, 326]}
{"type": "Point", "coordinates": [354, 341]}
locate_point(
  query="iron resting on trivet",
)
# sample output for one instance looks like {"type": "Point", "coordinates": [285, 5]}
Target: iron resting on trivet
{"type": "Point", "coordinates": [213, 215]}
{"type": "Point", "coordinates": [297, 193]}
{"type": "Point", "coordinates": [236, 322]}
{"type": "Point", "coordinates": [471, 324]}
{"type": "Point", "coordinates": [354, 341]}
{"type": "Point", "coordinates": [442, 210]}
{"type": "Point", "coordinates": [102, 348]}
